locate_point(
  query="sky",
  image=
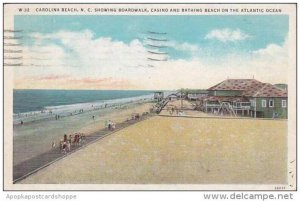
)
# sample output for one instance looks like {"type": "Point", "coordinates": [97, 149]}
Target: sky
{"type": "Point", "coordinates": [116, 52]}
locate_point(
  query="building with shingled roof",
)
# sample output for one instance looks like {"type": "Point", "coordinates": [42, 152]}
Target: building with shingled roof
{"type": "Point", "coordinates": [246, 97]}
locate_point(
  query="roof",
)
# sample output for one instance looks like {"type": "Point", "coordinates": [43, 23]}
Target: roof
{"type": "Point", "coordinates": [236, 84]}
{"type": "Point", "coordinates": [172, 96]}
{"type": "Point", "coordinates": [198, 92]}
{"type": "Point", "coordinates": [281, 86]}
{"type": "Point", "coordinates": [269, 90]}
{"type": "Point", "coordinates": [250, 88]}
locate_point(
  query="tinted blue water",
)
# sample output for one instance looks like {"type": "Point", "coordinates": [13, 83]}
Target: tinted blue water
{"type": "Point", "coordinates": [35, 100]}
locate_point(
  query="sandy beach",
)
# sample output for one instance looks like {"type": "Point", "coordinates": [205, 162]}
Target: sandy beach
{"type": "Point", "coordinates": [187, 106]}
{"type": "Point", "coordinates": [35, 138]}
{"type": "Point", "coordinates": [179, 150]}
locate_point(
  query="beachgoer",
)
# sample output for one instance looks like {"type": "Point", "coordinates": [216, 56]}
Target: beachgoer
{"type": "Point", "coordinates": [75, 139]}
{"type": "Point", "coordinates": [65, 138]}
{"type": "Point", "coordinates": [83, 137]}
{"type": "Point", "coordinates": [53, 144]}
{"type": "Point", "coordinates": [109, 124]}
{"type": "Point", "coordinates": [22, 122]}
{"type": "Point", "coordinates": [68, 146]}
{"type": "Point", "coordinates": [64, 148]}
{"type": "Point", "coordinates": [61, 143]}
{"type": "Point", "coordinates": [79, 139]}
{"type": "Point", "coordinates": [93, 117]}
{"type": "Point", "coordinates": [70, 139]}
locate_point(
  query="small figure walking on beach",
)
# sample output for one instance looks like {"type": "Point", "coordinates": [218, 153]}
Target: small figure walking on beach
{"type": "Point", "coordinates": [61, 144]}
{"type": "Point", "coordinates": [53, 144]}
{"type": "Point", "coordinates": [93, 117]}
{"type": "Point", "coordinates": [113, 126]}
{"type": "Point", "coordinates": [83, 138]}
{"type": "Point", "coordinates": [22, 122]}
{"type": "Point", "coordinates": [68, 147]}
{"type": "Point", "coordinates": [70, 139]}
{"type": "Point", "coordinates": [64, 147]}
{"type": "Point", "coordinates": [65, 138]}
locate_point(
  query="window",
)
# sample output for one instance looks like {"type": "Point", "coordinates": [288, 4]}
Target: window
{"type": "Point", "coordinates": [283, 103]}
{"type": "Point", "coordinates": [271, 103]}
{"type": "Point", "coordinates": [263, 103]}
{"type": "Point", "coordinates": [252, 102]}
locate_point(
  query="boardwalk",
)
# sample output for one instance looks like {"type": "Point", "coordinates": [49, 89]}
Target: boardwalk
{"type": "Point", "coordinates": [28, 167]}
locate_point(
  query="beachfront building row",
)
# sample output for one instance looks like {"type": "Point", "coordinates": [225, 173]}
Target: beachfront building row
{"type": "Point", "coordinates": [246, 97]}
{"type": "Point", "coordinates": [193, 95]}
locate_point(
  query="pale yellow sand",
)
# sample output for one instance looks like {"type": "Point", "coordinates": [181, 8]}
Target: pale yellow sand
{"type": "Point", "coordinates": [164, 150]}
{"type": "Point", "coordinates": [187, 108]}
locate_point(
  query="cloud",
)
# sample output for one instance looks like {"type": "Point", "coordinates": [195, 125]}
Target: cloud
{"type": "Point", "coordinates": [227, 35]}
{"type": "Point", "coordinates": [69, 82]}
{"type": "Point", "coordinates": [43, 55]}
{"type": "Point", "coordinates": [104, 83]}
{"type": "Point", "coordinates": [272, 51]}
{"type": "Point", "coordinates": [83, 61]}
{"type": "Point", "coordinates": [184, 46]}
{"type": "Point", "coordinates": [82, 49]}
{"type": "Point", "coordinates": [52, 77]}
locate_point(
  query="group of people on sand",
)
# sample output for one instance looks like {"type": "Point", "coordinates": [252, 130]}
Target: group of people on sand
{"type": "Point", "coordinates": [135, 116]}
{"type": "Point", "coordinates": [175, 110]}
{"type": "Point", "coordinates": [110, 125]}
{"type": "Point", "coordinates": [66, 143]}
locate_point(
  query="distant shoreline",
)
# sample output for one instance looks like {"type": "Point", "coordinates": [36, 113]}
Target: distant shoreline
{"type": "Point", "coordinates": [62, 111]}
{"type": "Point", "coordinates": [36, 100]}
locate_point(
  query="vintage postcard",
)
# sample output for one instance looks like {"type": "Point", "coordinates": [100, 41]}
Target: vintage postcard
{"type": "Point", "coordinates": [149, 96]}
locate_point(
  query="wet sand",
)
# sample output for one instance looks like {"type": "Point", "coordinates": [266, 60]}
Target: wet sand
{"type": "Point", "coordinates": [179, 150]}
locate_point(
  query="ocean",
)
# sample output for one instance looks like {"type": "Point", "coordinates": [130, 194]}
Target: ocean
{"type": "Point", "coordinates": [36, 100]}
